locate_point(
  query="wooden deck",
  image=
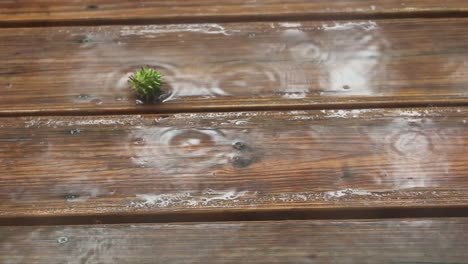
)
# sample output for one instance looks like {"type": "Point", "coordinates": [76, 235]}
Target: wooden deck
{"type": "Point", "coordinates": [295, 132]}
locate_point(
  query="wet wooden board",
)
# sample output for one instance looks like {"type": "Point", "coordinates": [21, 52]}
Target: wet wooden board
{"type": "Point", "coordinates": [73, 70]}
{"type": "Point", "coordinates": [25, 12]}
{"type": "Point", "coordinates": [425, 240]}
{"type": "Point", "coordinates": [221, 162]}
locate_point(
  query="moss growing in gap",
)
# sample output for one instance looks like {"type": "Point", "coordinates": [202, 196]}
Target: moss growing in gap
{"type": "Point", "coordinates": [147, 84]}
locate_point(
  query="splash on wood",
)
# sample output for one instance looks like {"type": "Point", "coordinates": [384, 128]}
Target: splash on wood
{"type": "Point", "coordinates": [152, 31]}
{"type": "Point", "coordinates": [208, 198]}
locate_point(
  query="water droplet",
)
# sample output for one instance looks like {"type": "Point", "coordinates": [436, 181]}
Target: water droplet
{"type": "Point", "coordinates": [83, 40]}
{"type": "Point", "coordinates": [83, 96]}
{"type": "Point", "coordinates": [164, 96]}
{"type": "Point", "coordinates": [75, 131]}
{"type": "Point", "coordinates": [86, 40]}
{"type": "Point", "coordinates": [244, 78]}
{"type": "Point", "coordinates": [310, 52]}
{"type": "Point", "coordinates": [138, 141]}
{"type": "Point", "coordinates": [62, 240]}
{"type": "Point", "coordinates": [96, 101]}
{"type": "Point", "coordinates": [412, 144]}
{"type": "Point", "coordinates": [8, 85]}
{"type": "Point", "coordinates": [208, 191]}
{"type": "Point", "coordinates": [138, 102]}
{"type": "Point", "coordinates": [240, 162]}
{"type": "Point", "coordinates": [184, 150]}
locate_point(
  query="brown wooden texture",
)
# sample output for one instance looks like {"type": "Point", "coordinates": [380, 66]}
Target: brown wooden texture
{"type": "Point", "coordinates": [425, 240]}
{"type": "Point", "coordinates": [235, 66]}
{"type": "Point", "coordinates": [382, 158]}
{"type": "Point", "coordinates": [27, 12]}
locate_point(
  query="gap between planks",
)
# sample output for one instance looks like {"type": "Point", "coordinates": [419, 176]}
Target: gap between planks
{"type": "Point", "coordinates": [239, 18]}
{"type": "Point", "coordinates": [229, 215]}
{"type": "Point", "coordinates": [182, 109]}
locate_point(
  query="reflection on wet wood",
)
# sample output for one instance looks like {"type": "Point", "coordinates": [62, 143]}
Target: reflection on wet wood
{"type": "Point", "coordinates": [265, 66]}
{"type": "Point", "coordinates": [426, 240]}
{"type": "Point", "coordinates": [25, 12]}
{"type": "Point", "coordinates": [382, 158]}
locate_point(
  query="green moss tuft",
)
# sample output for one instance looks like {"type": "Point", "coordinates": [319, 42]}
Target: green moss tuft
{"type": "Point", "coordinates": [147, 84]}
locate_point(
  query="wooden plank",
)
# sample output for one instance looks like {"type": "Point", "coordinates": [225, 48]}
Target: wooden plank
{"type": "Point", "coordinates": [25, 12]}
{"type": "Point", "coordinates": [245, 161]}
{"type": "Point", "coordinates": [72, 70]}
{"type": "Point", "coordinates": [425, 240]}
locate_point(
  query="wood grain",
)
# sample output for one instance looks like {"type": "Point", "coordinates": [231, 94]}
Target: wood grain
{"type": "Point", "coordinates": [423, 240]}
{"type": "Point", "coordinates": [222, 162]}
{"type": "Point", "coordinates": [46, 12]}
{"type": "Point", "coordinates": [309, 65]}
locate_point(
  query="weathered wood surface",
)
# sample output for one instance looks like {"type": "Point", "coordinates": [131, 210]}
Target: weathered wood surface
{"type": "Point", "coordinates": [27, 12]}
{"type": "Point", "coordinates": [329, 159]}
{"type": "Point", "coordinates": [425, 240]}
{"type": "Point", "coordinates": [236, 66]}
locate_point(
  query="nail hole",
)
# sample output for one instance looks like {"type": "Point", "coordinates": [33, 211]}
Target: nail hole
{"type": "Point", "coordinates": [239, 145]}
{"type": "Point", "coordinates": [70, 197]}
